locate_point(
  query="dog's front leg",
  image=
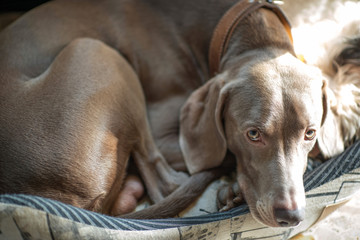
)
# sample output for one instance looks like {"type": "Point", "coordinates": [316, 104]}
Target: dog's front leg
{"type": "Point", "coordinates": [229, 196]}
{"type": "Point", "coordinates": [159, 177]}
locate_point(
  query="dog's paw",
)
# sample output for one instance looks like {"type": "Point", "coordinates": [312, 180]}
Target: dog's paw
{"type": "Point", "coordinates": [229, 196]}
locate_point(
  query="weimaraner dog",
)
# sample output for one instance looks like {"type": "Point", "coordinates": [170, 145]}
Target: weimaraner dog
{"type": "Point", "coordinates": [87, 85]}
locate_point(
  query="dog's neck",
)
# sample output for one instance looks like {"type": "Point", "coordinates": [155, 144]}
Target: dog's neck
{"type": "Point", "coordinates": [262, 30]}
{"type": "Point", "coordinates": [228, 24]}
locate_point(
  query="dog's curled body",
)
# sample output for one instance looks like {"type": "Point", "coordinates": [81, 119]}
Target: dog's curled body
{"type": "Point", "coordinates": [88, 84]}
{"type": "Point", "coordinates": [76, 77]}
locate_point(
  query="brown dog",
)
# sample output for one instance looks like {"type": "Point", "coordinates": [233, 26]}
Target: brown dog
{"type": "Point", "coordinates": [87, 84]}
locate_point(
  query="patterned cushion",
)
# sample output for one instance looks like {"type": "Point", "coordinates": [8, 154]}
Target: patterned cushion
{"type": "Point", "coordinates": [330, 183]}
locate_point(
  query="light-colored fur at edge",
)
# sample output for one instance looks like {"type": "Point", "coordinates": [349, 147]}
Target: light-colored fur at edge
{"type": "Point", "coordinates": [323, 31]}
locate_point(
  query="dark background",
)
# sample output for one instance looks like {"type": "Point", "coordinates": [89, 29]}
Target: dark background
{"type": "Point", "coordinates": [19, 5]}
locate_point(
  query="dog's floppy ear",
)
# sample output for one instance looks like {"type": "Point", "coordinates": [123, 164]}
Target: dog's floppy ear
{"type": "Point", "coordinates": [330, 141]}
{"type": "Point", "coordinates": [202, 137]}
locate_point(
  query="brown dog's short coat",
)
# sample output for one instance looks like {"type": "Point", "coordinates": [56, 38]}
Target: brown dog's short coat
{"type": "Point", "coordinates": [85, 85]}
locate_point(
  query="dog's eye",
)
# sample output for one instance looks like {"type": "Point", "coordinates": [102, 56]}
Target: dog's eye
{"type": "Point", "coordinates": [310, 134]}
{"type": "Point", "coordinates": [254, 135]}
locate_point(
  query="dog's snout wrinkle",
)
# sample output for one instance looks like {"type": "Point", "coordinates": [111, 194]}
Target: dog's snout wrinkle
{"type": "Point", "coordinates": [289, 218]}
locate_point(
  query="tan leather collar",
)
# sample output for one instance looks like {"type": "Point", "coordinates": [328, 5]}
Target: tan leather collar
{"type": "Point", "coordinates": [227, 24]}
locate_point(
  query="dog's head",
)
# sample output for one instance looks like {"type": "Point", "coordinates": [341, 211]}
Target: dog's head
{"type": "Point", "coordinates": [267, 113]}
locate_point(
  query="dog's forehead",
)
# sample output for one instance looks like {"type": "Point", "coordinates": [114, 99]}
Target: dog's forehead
{"type": "Point", "coordinates": [283, 67]}
{"type": "Point", "coordinates": [286, 74]}
{"type": "Point", "coordinates": [269, 90]}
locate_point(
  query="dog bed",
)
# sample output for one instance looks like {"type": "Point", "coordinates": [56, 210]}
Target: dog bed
{"type": "Point", "coordinates": [327, 187]}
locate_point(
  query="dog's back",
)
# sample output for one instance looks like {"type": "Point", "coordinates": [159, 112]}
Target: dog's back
{"type": "Point", "coordinates": [71, 109]}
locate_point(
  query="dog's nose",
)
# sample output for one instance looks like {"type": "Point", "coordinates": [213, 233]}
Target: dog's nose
{"type": "Point", "coordinates": [289, 218]}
